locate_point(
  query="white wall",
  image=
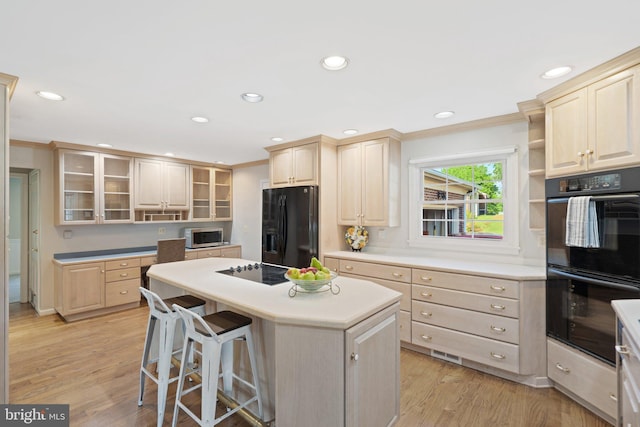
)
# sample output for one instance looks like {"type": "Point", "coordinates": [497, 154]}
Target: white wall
{"type": "Point", "coordinates": [394, 240]}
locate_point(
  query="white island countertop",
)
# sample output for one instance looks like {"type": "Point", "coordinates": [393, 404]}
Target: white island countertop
{"type": "Point", "coordinates": [357, 300]}
{"type": "Point", "coordinates": [628, 311]}
{"type": "Point", "coordinates": [452, 265]}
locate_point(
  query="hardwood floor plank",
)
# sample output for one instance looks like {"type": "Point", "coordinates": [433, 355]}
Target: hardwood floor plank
{"type": "Point", "coordinates": [93, 366]}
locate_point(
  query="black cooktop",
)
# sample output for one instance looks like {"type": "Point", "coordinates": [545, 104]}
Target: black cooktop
{"type": "Point", "coordinates": [267, 274]}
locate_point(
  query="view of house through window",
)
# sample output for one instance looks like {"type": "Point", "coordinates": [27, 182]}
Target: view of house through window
{"type": "Point", "coordinates": [463, 201]}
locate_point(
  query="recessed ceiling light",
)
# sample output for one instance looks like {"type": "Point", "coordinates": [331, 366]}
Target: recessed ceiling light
{"type": "Point", "coordinates": [350, 131]}
{"type": "Point", "coordinates": [51, 96]}
{"type": "Point", "coordinates": [556, 72]}
{"type": "Point", "coordinates": [169, 154]}
{"type": "Point", "coordinates": [277, 139]}
{"type": "Point", "coordinates": [334, 63]}
{"type": "Point", "coordinates": [199, 119]}
{"type": "Point", "coordinates": [443, 114]}
{"type": "Point", "coordinates": [102, 144]}
{"type": "Point", "coordinates": [252, 97]}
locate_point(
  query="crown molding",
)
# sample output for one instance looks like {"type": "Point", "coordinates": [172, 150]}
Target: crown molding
{"type": "Point", "coordinates": [9, 81]}
{"type": "Point", "coordinates": [505, 119]}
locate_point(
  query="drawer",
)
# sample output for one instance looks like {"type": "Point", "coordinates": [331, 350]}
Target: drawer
{"type": "Point", "coordinates": [123, 292]}
{"type": "Point", "coordinates": [381, 271]}
{"type": "Point", "coordinates": [403, 288]}
{"type": "Point", "coordinates": [485, 303]}
{"type": "Point", "coordinates": [489, 352]}
{"type": "Point", "coordinates": [123, 274]}
{"type": "Point", "coordinates": [148, 260]}
{"type": "Point", "coordinates": [404, 322]}
{"type": "Point", "coordinates": [191, 255]}
{"type": "Point", "coordinates": [584, 376]}
{"type": "Point", "coordinates": [461, 282]}
{"type": "Point", "coordinates": [332, 264]}
{"type": "Point", "coordinates": [122, 263]}
{"type": "Point", "coordinates": [231, 252]}
{"type": "Point", "coordinates": [472, 322]}
{"type": "Point", "coordinates": [210, 253]}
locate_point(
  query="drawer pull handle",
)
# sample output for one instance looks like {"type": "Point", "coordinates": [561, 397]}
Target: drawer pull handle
{"type": "Point", "coordinates": [426, 314]}
{"type": "Point", "coordinates": [498, 329]}
{"type": "Point", "coordinates": [498, 355]}
{"type": "Point", "coordinates": [497, 288]}
{"type": "Point", "coordinates": [426, 337]}
{"type": "Point", "coordinates": [124, 274]}
{"type": "Point", "coordinates": [613, 397]}
{"type": "Point", "coordinates": [562, 368]}
{"type": "Point", "coordinates": [622, 349]}
{"type": "Point", "coordinates": [497, 307]}
{"type": "Point", "coordinates": [348, 267]}
{"type": "Point", "coordinates": [426, 294]}
{"type": "Point", "coordinates": [425, 278]}
{"type": "Point", "coordinates": [124, 264]}
{"type": "Point", "coordinates": [396, 274]}
{"type": "Point", "coordinates": [355, 357]}
{"type": "Point", "coordinates": [124, 292]}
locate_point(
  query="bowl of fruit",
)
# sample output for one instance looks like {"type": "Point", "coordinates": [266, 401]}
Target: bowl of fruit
{"type": "Point", "coordinates": [311, 278]}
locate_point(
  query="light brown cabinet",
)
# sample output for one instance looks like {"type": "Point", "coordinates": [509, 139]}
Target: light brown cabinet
{"type": "Point", "coordinates": [369, 183]}
{"type": "Point", "coordinates": [122, 282]}
{"type": "Point", "coordinates": [294, 166]}
{"type": "Point", "coordinates": [595, 127]}
{"type": "Point", "coordinates": [211, 194]}
{"type": "Point", "coordinates": [79, 288]}
{"type": "Point", "coordinates": [162, 186]}
{"type": "Point", "coordinates": [92, 188]}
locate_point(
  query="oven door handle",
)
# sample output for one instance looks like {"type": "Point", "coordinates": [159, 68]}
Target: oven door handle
{"type": "Point", "coordinates": [599, 198]}
{"type": "Point", "coordinates": [593, 281]}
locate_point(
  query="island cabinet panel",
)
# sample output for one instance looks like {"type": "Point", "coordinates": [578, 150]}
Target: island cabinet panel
{"type": "Point", "coordinates": [628, 362]}
{"type": "Point", "coordinates": [577, 374]}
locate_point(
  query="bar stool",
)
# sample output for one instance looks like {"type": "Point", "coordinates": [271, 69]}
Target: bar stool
{"type": "Point", "coordinates": [215, 333]}
{"type": "Point", "coordinates": [160, 311]}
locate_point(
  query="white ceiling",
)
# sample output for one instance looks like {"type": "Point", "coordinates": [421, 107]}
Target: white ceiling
{"type": "Point", "coordinates": [134, 72]}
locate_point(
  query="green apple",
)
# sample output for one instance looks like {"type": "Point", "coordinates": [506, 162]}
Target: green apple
{"type": "Point", "coordinates": [293, 273]}
{"type": "Point", "coordinates": [308, 276]}
{"type": "Point", "coordinates": [321, 275]}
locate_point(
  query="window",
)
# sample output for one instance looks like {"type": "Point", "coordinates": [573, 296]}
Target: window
{"type": "Point", "coordinates": [465, 199]}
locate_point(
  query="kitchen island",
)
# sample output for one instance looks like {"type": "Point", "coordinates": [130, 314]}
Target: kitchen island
{"type": "Point", "coordinates": [323, 359]}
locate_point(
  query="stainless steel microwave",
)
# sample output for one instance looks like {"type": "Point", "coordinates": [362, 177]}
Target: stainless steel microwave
{"type": "Point", "coordinates": [203, 237]}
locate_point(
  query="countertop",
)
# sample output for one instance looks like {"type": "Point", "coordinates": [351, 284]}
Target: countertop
{"type": "Point", "coordinates": [357, 300]}
{"type": "Point", "coordinates": [489, 269]}
{"type": "Point", "coordinates": [628, 311]}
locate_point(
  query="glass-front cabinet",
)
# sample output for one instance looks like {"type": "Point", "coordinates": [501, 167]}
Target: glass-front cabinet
{"type": "Point", "coordinates": [93, 188]}
{"type": "Point", "coordinates": [211, 194]}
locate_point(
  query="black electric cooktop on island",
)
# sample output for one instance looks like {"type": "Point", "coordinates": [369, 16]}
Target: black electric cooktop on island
{"type": "Point", "coordinates": [267, 274]}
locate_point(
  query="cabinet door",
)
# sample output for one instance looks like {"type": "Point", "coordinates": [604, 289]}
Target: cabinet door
{"type": "Point", "coordinates": [305, 164]}
{"type": "Point", "coordinates": [78, 175]}
{"type": "Point", "coordinates": [566, 134]}
{"type": "Point", "coordinates": [148, 188]}
{"type": "Point", "coordinates": [372, 372]}
{"type": "Point", "coordinates": [223, 195]}
{"type": "Point", "coordinates": [83, 287]}
{"type": "Point", "coordinates": [614, 115]}
{"type": "Point", "coordinates": [280, 165]}
{"type": "Point", "coordinates": [201, 193]}
{"type": "Point", "coordinates": [176, 185]}
{"type": "Point", "coordinates": [116, 185]}
{"type": "Point", "coordinates": [349, 184]}
{"type": "Point", "coordinates": [375, 183]}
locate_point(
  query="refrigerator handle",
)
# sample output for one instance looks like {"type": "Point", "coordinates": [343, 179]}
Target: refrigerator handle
{"type": "Point", "coordinates": [285, 223]}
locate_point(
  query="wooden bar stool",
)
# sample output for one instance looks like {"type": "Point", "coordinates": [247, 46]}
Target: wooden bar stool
{"type": "Point", "coordinates": [161, 312]}
{"type": "Point", "coordinates": [215, 333]}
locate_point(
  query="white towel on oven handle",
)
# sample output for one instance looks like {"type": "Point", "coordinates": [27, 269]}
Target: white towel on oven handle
{"type": "Point", "coordinates": [582, 223]}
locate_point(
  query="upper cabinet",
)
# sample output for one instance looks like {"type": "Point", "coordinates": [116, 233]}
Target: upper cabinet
{"type": "Point", "coordinates": [92, 188]}
{"type": "Point", "coordinates": [596, 127]}
{"type": "Point", "coordinates": [294, 166]}
{"type": "Point", "coordinates": [369, 183]}
{"type": "Point", "coordinates": [211, 194]}
{"type": "Point", "coordinates": [162, 190]}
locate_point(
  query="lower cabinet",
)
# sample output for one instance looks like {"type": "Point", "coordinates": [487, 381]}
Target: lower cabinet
{"type": "Point", "coordinates": [122, 282]}
{"type": "Point", "coordinates": [79, 288]}
{"type": "Point", "coordinates": [584, 377]}
{"type": "Point", "coordinates": [628, 370]}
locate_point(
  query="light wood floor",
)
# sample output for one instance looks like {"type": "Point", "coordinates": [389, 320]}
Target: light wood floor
{"type": "Point", "coordinates": [93, 366]}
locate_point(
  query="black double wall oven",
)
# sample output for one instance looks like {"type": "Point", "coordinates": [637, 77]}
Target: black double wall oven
{"type": "Point", "coordinates": [582, 281]}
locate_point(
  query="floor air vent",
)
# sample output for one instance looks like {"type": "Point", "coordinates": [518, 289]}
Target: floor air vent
{"type": "Point", "coordinates": [446, 356]}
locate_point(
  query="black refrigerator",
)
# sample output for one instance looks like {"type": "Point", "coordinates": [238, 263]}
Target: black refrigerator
{"type": "Point", "coordinates": [290, 225]}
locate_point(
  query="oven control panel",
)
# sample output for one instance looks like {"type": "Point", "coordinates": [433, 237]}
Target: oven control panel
{"type": "Point", "coordinates": [610, 181]}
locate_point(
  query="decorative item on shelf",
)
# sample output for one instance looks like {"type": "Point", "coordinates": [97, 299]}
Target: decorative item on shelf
{"type": "Point", "coordinates": [357, 237]}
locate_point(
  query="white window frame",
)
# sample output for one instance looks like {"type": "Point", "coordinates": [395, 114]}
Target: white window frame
{"type": "Point", "coordinates": [510, 242]}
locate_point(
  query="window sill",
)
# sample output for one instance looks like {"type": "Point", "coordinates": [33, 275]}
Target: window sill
{"type": "Point", "coordinates": [474, 246]}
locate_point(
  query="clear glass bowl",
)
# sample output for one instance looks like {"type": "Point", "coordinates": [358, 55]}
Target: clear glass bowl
{"type": "Point", "coordinates": [312, 285]}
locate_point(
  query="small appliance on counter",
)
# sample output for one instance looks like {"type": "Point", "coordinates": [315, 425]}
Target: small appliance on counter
{"type": "Point", "coordinates": [203, 237]}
